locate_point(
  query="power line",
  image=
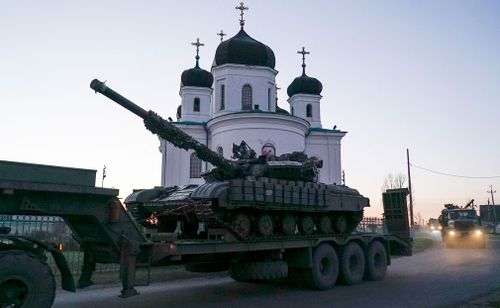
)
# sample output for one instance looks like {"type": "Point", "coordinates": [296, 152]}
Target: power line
{"type": "Point", "coordinates": [455, 175]}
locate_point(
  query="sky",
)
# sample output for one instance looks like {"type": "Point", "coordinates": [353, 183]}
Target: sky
{"type": "Point", "coordinates": [422, 75]}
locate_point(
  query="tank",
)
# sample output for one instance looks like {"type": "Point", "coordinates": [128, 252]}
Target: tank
{"type": "Point", "coordinates": [248, 197]}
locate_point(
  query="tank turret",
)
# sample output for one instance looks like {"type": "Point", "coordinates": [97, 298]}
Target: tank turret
{"type": "Point", "coordinates": [248, 196]}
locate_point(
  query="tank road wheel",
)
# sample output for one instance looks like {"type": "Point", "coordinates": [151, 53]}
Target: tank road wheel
{"type": "Point", "coordinates": [323, 275]}
{"type": "Point", "coordinates": [325, 224]}
{"type": "Point", "coordinates": [25, 280]}
{"type": "Point", "coordinates": [352, 264]}
{"type": "Point", "coordinates": [241, 225]}
{"type": "Point", "coordinates": [288, 225]}
{"type": "Point", "coordinates": [265, 225]}
{"type": "Point", "coordinates": [340, 224]}
{"type": "Point", "coordinates": [376, 261]}
{"type": "Point", "coordinates": [306, 225]}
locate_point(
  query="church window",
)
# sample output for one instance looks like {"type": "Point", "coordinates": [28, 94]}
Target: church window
{"type": "Point", "coordinates": [246, 97]}
{"type": "Point", "coordinates": [309, 111]}
{"type": "Point", "coordinates": [194, 166]}
{"type": "Point", "coordinates": [220, 151]}
{"type": "Point", "coordinates": [196, 105]}
{"type": "Point", "coordinates": [222, 96]}
{"type": "Point", "coordinates": [268, 150]}
{"type": "Point", "coordinates": [268, 99]}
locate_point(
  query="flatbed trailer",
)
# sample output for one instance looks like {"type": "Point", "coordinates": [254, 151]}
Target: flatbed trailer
{"type": "Point", "coordinates": [107, 233]}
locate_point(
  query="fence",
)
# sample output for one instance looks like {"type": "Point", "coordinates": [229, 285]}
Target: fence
{"type": "Point", "coordinates": [52, 229]}
{"type": "Point", "coordinates": [371, 224]}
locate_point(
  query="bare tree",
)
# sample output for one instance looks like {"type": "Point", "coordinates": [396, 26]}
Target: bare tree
{"type": "Point", "coordinates": [392, 181]}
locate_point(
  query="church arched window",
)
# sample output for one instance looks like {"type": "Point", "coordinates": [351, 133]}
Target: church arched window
{"type": "Point", "coordinates": [194, 166]}
{"type": "Point", "coordinates": [268, 99]}
{"type": "Point", "coordinates": [220, 151]}
{"type": "Point", "coordinates": [196, 104]}
{"type": "Point", "coordinates": [222, 97]}
{"type": "Point", "coordinates": [246, 97]}
{"type": "Point", "coordinates": [268, 150]}
{"type": "Point", "coordinates": [309, 111]}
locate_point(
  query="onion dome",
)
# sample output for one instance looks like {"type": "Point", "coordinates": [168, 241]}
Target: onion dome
{"type": "Point", "coordinates": [196, 76]}
{"type": "Point", "coordinates": [243, 49]}
{"type": "Point", "coordinates": [304, 84]}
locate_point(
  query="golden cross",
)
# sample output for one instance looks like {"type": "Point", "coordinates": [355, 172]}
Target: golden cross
{"type": "Point", "coordinates": [303, 52]}
{"type": "Point", "coordinates": [221, 34]}
{"type": "Point", "coordinates": [242, 8]}
{"type": "Point", "coordinates": [197, 44]}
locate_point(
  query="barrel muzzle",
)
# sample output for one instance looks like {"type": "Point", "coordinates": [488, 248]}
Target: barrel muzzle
{"type": "Point", "coordinates": [98, 86]}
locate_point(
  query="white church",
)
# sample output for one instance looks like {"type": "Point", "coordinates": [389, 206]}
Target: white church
{"type": "Point", "coordinates": [236, 101]}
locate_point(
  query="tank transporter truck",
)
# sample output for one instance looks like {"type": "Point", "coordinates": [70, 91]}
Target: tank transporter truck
{"type": "Point", "coordinates": [108, 233]}
{"type": "Point", "coordinates": [461, 226]}
{"type": "Point", "coordinates": [248, 197]}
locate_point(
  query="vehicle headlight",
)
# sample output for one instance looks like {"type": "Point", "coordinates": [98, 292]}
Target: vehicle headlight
{"type": "Point", "coordinates": [451, 232]}
{"type": "Point", "coordinates": [440, 228]}
{"type": "Point", "coordinates": [432, 228]}
{"type": "Point", "coordinates": [479, 232]}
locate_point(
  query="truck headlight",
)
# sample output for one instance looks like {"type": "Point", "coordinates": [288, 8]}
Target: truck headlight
{"type": "Point", "coordinates": [478, 232]}
{"type": "Point", "coordinates": [440, 228]}
{"type": "Point", "coordinates": [451, 233]}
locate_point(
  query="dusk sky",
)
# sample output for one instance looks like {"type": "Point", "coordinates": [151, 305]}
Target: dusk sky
{"type": "Point", "coordinates": [423, 75]}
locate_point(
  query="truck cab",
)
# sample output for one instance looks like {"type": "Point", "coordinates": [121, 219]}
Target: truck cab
{"type": "Point", "coordinates": [461, 226]}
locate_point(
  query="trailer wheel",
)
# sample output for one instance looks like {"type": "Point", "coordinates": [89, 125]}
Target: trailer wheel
{"type": "Point", "coordinates": [258, 271]}
{"type": "Point", "coordinates": [376, 261]}
{"type": "Point", "coordinates": [323, 275]}
{"type": "Point", "coordinates": [352, 264]}
{"type": "Point", "coordinates": [25, 280]}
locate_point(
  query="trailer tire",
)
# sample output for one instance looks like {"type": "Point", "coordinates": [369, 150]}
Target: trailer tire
{"type": "Point", "coordinates": [376, 262]}
{"type": "Point", "coordinates": [25, 280]}
{"type": "Point", "coordinates": [324, 273]}
{"type": "Point", "coordinates": [352, 264]}
{"type": "Point", "coordinates": [258, 271]}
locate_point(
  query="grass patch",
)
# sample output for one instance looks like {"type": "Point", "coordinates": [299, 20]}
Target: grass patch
{"type": "Point", "coordinates": [422, 244]}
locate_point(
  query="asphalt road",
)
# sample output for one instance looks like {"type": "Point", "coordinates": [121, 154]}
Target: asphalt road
{"type": "Point", "coordinates": [435, 278]}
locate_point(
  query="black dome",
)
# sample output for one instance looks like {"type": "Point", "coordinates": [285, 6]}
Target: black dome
{"type": "Point", "coordinates": [197, 77]}
{"type": "Point", "coordinates": [242, 49]}
{"type": "Point", "coordinates": [304, 85]}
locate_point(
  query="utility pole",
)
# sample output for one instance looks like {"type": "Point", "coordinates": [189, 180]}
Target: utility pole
{"type": "Point", "coordinates": [409, 188]}
{"type": "Point", "coordinates": [491, 191]}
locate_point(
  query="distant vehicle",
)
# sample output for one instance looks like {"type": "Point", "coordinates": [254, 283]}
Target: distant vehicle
{"type": "Point", "coordinates": [434, 225]}
{"type": "Point", "coordinates": [461, 225]}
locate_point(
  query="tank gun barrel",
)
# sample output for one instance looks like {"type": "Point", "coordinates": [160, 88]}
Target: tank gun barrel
{"type": "Point", "coordinates": [159, 126]}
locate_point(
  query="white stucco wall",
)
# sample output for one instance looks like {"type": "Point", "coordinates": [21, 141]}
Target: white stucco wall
{"type": "Point", "coordinates": [188, 94]}
{"type": "Point", "coordinates": [175, 169]}
{"type": "Point", "coordinates": [286, 133]}
{"type": "Point", "coordinates": [326, 144]}
{"type": "Point", "coordinates": [299, 102]}
{"type": "Point", "coordinates": [234, 77]}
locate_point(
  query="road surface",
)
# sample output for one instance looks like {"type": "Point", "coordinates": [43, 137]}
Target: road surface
{"type": "Point", "coordinates": [436, 277]}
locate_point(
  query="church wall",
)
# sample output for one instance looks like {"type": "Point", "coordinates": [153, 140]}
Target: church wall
{"type": "Point", "coordinates": [176, 162]}
{"type": "Point", "coordinates": [188, 95]}
{"type": "Point", "coordinates": [285, 133]}
{"type": "Point", "coordinates": [327, 146]}
{"type": "Point", "coordinates": [299, 102]}
{"type": "Point", "coordinates": [234, 77]}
